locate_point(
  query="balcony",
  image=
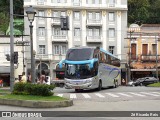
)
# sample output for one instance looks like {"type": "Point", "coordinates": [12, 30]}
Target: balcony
{"type": "Point", "coordinates": [111, 5]}
{"type": "Point", "coordinates": [55, 21]}
{"type": "Point", "coordinates": [59, 38]}
{"type": "Point", "coordinates": [94, 22]}
{"type": "Point", "coordinates": [42, 57]}
{"type": "Point", "coordinates": [94, 39]}
{"type": "Point", "coordinates": [149, 58]}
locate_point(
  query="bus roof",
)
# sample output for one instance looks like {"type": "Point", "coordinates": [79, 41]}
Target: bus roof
{"type": "Point", "coordinates": [101, 49]}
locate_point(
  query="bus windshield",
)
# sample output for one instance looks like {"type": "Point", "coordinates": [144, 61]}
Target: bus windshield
{"type": "Point", "coordinates": [78, 71]}
{"type": "Point", "coordinates": [79, 54]}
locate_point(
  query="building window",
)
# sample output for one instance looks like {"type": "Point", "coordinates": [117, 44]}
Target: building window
{"type": "Point", "coordinates": [63, 50]}
{"type": "Point", "coordinates": [76, 2]}
{"type": "Point", "coordinates": [94, 16]}
{"type": "Point", "coordinates": [93, 1]}
{"type": "Point", "coordinates": [59, 32]}
{"type": "Point", "coordinates": [111, 1]}
{"type": "Point", "coordinates": [111, 32]}
{"type": "Point", "coordinates": [76, 32]}
{"type": "Point", "coordinates": [144, 49]}
{"type": "Point", "coordinates": [41, 49]}
{"type": "Point", "coordinates": [59, 1]}
{"type": "Point", "coordinates": [76, 16]}
{"type": "Point", "coordinates": [41, 31]}
{"type": "Point", "coordinates": [111, 16]}
{"type": "Point", "coordinates": [111, 49]}
{"type": "Point", "coordinates": [154, 47]}
{"type": "Point", "coordinates": [40, 13]}
{"type": "Point", "coordinates": [60, 49]}
{"type": "Point", "coordinates": [93, 32]}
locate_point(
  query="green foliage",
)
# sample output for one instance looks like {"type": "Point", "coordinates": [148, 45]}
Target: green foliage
{"type": "Point", "coordinates": [4, 22]}
{"type": "Point", "coordinates": [33, 89]}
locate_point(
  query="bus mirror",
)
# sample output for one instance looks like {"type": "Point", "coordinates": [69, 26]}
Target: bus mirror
{"type": "Point", "coordinates": [61, 63]}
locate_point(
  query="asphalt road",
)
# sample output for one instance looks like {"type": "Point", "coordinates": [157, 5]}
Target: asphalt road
{"type": "Point", "coordinates": [120, 99]}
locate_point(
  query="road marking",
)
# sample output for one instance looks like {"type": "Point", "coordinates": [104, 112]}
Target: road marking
{"type": "Point", "coordinates": [149, 94]}
{"type": "Point", "coordinates": [156, 93]}
{"type": "Point", "coordinates": [137, 94]}
{"type": "Point", "coordinates": [125, 94]}
{"type": "Point", "coordinates": [72, 96]}
{"type": "Point", "coordinates": [60, 95]}
{"type": "Point", "coordinates": [99, 95]}
{"type": "Point", "coordinates": [110, 94]}
{"type": "Point", "coordinates": [86, 96]}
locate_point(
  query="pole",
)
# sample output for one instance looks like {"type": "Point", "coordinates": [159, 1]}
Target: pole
{"type": "Point", "coordinates": [32, 56]}
{"type": "Point", "coordinates": [129, 70]}
{"type": "Point", "coordinates": [23, 51]}
{"type": "Point", "coordinates": [156, 58]}
{"type": "Point", "coordinates": [11, 47]}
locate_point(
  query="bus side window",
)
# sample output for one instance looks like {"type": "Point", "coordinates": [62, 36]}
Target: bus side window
{"type": "Point", "coordinates": [95, 68]}
{"type": "Point", "coordinates": [108, 59]}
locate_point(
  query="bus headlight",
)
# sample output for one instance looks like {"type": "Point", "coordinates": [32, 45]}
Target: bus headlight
{"type": "Point", "coordinates": [88, 81]}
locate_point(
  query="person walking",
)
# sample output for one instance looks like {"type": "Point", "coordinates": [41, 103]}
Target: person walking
{"type": "Point", "coordinates": [23, 79]}
{"type": "Point", "coordinates": [42, 77]}
{"type": "Point", "coordinates": [29, 78]}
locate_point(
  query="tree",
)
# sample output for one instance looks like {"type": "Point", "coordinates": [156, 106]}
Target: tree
{"type": "Point", "coordinates": [5, 10]}
{"type": "Point", "coordinates": [4, 22]}
{"type": "Point", "coordinates": [138, 11]}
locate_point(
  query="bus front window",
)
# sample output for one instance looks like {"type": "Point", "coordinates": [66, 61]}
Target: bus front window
{"type": "Point", "coordinates": [78, 71]}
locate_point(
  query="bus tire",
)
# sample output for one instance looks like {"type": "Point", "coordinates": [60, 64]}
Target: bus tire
{"type": "Point", "coordinates": [100, 86]}
{"type": "Point", "coordinates": [115, 84]}
{"type": "Point", "coordinates": [76, 90]}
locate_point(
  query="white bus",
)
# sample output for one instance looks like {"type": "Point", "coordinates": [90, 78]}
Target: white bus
{"type": "Point", "coordinates": [90, 68]}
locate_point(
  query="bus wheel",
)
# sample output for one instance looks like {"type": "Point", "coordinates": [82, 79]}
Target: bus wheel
{"type": "Point", "coordinates": [100, 85]}
{"type": "Point", "coordinates": [115, 84]}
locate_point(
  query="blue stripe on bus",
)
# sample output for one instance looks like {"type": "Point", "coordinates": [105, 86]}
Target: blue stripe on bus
{"type": "Point", "coordinates": [90, 62]}
{"type": "Point", "coordinates": [108, 53]}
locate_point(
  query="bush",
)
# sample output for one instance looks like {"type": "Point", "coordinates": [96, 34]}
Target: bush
{"type": "Point", "coordinates": [33, 89]}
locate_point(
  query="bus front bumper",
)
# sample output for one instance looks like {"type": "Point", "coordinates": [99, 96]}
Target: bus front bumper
{"type": "Point", "coordinates": [82, 86]}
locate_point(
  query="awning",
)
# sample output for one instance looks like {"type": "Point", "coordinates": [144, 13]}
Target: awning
{"type": "Point", "coordinates": [139, 65]}
{"type": "Point", "coordinates": [143, 69]}
{"type": "Point", "coordinates": [4, 69]}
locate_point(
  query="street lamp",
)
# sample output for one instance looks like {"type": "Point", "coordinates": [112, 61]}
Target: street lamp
{"type": "Point", "coordinates": [31, 14]}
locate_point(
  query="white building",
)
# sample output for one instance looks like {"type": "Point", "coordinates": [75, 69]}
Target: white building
{"type": "Point", "coordinates": [4, 64]}
{"type": "Point", "coordinates": [91, 23]}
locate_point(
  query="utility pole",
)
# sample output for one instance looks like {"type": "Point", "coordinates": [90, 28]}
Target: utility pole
{"type": "Point", "coordinates": [11, 47]}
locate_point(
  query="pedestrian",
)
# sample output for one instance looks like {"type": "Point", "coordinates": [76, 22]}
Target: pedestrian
{"type": "Point", "coordinates": [123, 81]}
{"type": "Point", "coordinates": [1, 82]}
{"type": "Point", "coordinates": [23, 78]}
{"type": "Point", "coordinates": [42, 77]}
{"type": "Point", "coordinates": [29, 78]}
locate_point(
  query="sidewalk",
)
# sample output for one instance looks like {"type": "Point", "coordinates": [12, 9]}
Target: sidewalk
{"type": "Point", "coordinates": [5, 88]}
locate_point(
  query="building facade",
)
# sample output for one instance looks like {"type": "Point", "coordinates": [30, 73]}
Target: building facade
{"type": "Point", "coordinates": [145, 51]}
{"type": "Point", "coordinates": [91, 23]}
{"type": "Point", "coordinates": [5, 65]}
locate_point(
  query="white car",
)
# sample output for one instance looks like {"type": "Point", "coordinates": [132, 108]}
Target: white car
{"type": "Point", "coordinates": [130, 83]}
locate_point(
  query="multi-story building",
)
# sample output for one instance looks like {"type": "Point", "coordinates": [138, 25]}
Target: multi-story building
{"type": "Point", "coordinates": [91, 23]}
{"type": "Point", "coordinates": [4, 64]}
{"type": "Point", "coordinates": [145, 51]}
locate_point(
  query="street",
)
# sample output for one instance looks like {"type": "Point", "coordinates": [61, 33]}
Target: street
{"type": "Point", "coordinates": [122, 98]}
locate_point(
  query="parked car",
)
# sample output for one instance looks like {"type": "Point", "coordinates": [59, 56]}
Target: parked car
{"type": "Point", "coordinates": [130, 83]}
{"type": "Point", "coordinates": [145, 81]}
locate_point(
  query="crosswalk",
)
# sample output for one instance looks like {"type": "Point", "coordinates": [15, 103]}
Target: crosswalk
{"type": "Point", "coordinates": [108, 95]}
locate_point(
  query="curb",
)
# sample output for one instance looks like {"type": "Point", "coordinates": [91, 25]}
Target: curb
{"type": "Point", "coordinates": [36, 104]}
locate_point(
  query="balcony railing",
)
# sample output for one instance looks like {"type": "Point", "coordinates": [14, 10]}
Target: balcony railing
{"type": "Point", "coordinates": [59, 38]}
{"type": "Point", "coordinates": [42, 56]}
{"type": "Point", "coordinates": [94, 22]}
{"type": "Point", "coordinates": [55, 21]}
{"type": "Point", "coordinates": [149, 58]}
{"type": "Point", "coordinates": [94, 38]}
